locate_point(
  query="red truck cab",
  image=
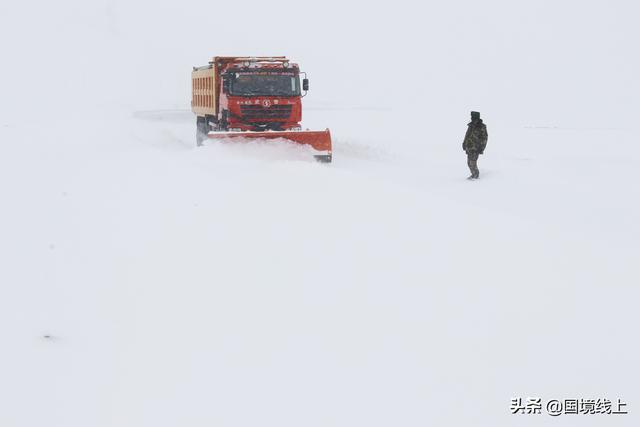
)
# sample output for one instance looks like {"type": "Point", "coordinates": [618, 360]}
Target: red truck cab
{"type": "Point", "coordinates": [260, 96]}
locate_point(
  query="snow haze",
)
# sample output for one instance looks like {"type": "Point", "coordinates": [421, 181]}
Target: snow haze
{"type": "Point", "coordinates": [148, 282]}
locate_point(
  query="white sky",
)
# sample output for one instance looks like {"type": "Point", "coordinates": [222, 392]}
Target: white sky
{"type": "Point", "coordinates": [543, 62]}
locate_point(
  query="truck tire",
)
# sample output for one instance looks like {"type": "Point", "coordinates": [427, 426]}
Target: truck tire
{"type": "Point", "coordinates": [201, 130]}
{"type": "Point", "coordinates": [223, 124]}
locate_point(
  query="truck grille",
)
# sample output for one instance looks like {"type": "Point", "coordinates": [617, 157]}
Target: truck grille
{"type": "Point", "coordinates": [260, 112]}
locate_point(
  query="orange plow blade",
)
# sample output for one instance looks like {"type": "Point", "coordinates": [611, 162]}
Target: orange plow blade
{"type": "Point", "coordinates": [319, 140]}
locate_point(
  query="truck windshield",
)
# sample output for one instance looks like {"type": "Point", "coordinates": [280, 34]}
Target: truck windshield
{"type": "Point", "coordinates": [265, 84]}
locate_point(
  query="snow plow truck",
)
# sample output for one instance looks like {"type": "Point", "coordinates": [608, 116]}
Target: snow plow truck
{"type": "Point", "coordinates": [253, 98]}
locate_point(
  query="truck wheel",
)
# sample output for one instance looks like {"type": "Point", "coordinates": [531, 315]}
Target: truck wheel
{"type": "Point", "coordinates": [224, 121]}
{"type": "Point", "coordinates": [201, 130]}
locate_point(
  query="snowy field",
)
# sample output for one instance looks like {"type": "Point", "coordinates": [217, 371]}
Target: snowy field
{"type": "Point", "coordinates": [148, 282]}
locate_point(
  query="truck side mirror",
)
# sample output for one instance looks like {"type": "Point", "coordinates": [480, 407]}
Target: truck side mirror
{"type": "Point", "coordinates": [226, 85]}
{"type": "Point", "coordinates": [305, 84]}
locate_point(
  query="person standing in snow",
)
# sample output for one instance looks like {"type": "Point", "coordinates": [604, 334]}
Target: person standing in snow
{"type": "Point", "coordinates": [475, 141]}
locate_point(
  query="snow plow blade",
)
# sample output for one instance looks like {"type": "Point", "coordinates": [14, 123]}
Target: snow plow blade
{"type": "Point", "coordinates": [319, 140]}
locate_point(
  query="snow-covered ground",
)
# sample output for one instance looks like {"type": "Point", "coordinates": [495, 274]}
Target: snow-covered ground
{"type": "Point", "coordinates": [246, 285]}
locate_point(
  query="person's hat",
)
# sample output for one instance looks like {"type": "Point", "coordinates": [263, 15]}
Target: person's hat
{"type": "Point", "coordinates": [475, 115]}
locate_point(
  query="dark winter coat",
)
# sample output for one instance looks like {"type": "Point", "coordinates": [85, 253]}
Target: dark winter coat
{"type": "Point", "coordinates": [475, 140]}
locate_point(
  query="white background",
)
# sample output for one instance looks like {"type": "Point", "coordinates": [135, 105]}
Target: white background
{"type": "Point", "coordinates": [246, 285]}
